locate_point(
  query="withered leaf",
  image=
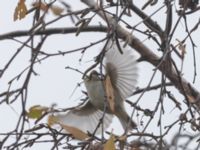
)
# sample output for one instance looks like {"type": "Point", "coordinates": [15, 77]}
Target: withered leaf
{"type": "Point", "coordinates": [56, 10]}
{"type": "Point", "coordinates": [20, 10]}
{"type": "Point", "coordinates": [40, 5]}
{"type": "Point", "coordinates": [35, 112]}
{"type": "Point", "coordinates": [110, 144]}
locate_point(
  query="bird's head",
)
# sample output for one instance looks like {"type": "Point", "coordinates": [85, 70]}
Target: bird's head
{"type": "Point", "coordinates": [94, 75]}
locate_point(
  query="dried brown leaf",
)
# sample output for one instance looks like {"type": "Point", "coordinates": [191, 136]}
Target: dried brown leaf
{"type": "Point", "coordinates": [110, 144]}
{"type": "Point", "coordinates": [56, 10]}
{"type": "Point", "coordinates": [20, 10]}
{"type": "Point", "coordinates": [191, 99]}
{"type": "Point", "coordinates": [40, 5]}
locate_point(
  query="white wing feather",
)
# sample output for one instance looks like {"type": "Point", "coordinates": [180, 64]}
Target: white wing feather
{"type": "Point", "coordinates": [122, 69]}
{"type": "Point", "coordinates": [86, 118]}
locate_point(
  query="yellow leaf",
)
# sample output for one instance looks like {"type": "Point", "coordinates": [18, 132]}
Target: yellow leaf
{"type": "Point", "coordinates": [20, 10]}
{"type": "Point", "coordinates": [35, 112]}
{"type": "Point", "coordinates": [57, 10]}
{"type": "Point", "coordinates": [110, 144]}
{"type": "Point", "coordinates": [76, 133]}
{"type": "Point", "coordinates": [110, 93]}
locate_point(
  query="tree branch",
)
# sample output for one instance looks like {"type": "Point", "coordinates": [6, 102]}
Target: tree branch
{"type": "Point", "coordinates": [147, 54]}
{"type": "Point", "coordinates": [51, 31]}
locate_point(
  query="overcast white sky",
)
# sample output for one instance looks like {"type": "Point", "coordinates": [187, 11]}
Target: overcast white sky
{"type": "Point", "coordinates": [55, 84]}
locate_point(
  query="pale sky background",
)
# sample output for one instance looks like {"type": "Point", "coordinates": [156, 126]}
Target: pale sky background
{"type": "Point", "coordinates": [55, 84]}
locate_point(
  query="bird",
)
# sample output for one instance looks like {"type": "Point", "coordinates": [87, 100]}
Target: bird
{"type": "Point", "coordinates": [121, 67]}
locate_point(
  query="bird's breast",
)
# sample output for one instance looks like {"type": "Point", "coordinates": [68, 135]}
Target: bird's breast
{"type": "Point", "coordinates": [96, 93]}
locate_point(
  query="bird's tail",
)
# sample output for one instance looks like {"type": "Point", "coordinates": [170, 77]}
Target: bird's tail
{"type": "Point", "coordinates": [126, 121]}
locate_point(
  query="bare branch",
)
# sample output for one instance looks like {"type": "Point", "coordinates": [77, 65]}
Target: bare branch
{"type": "Point", "coordinates": [179, 82]}
{"type": "Point", "coordinates": [52, 31]}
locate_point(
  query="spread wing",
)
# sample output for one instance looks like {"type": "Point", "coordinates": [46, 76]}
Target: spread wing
{"type": "Point", "coordinates": [122, 69]}
{"type": "Point", "coordinates": [86, 118]}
